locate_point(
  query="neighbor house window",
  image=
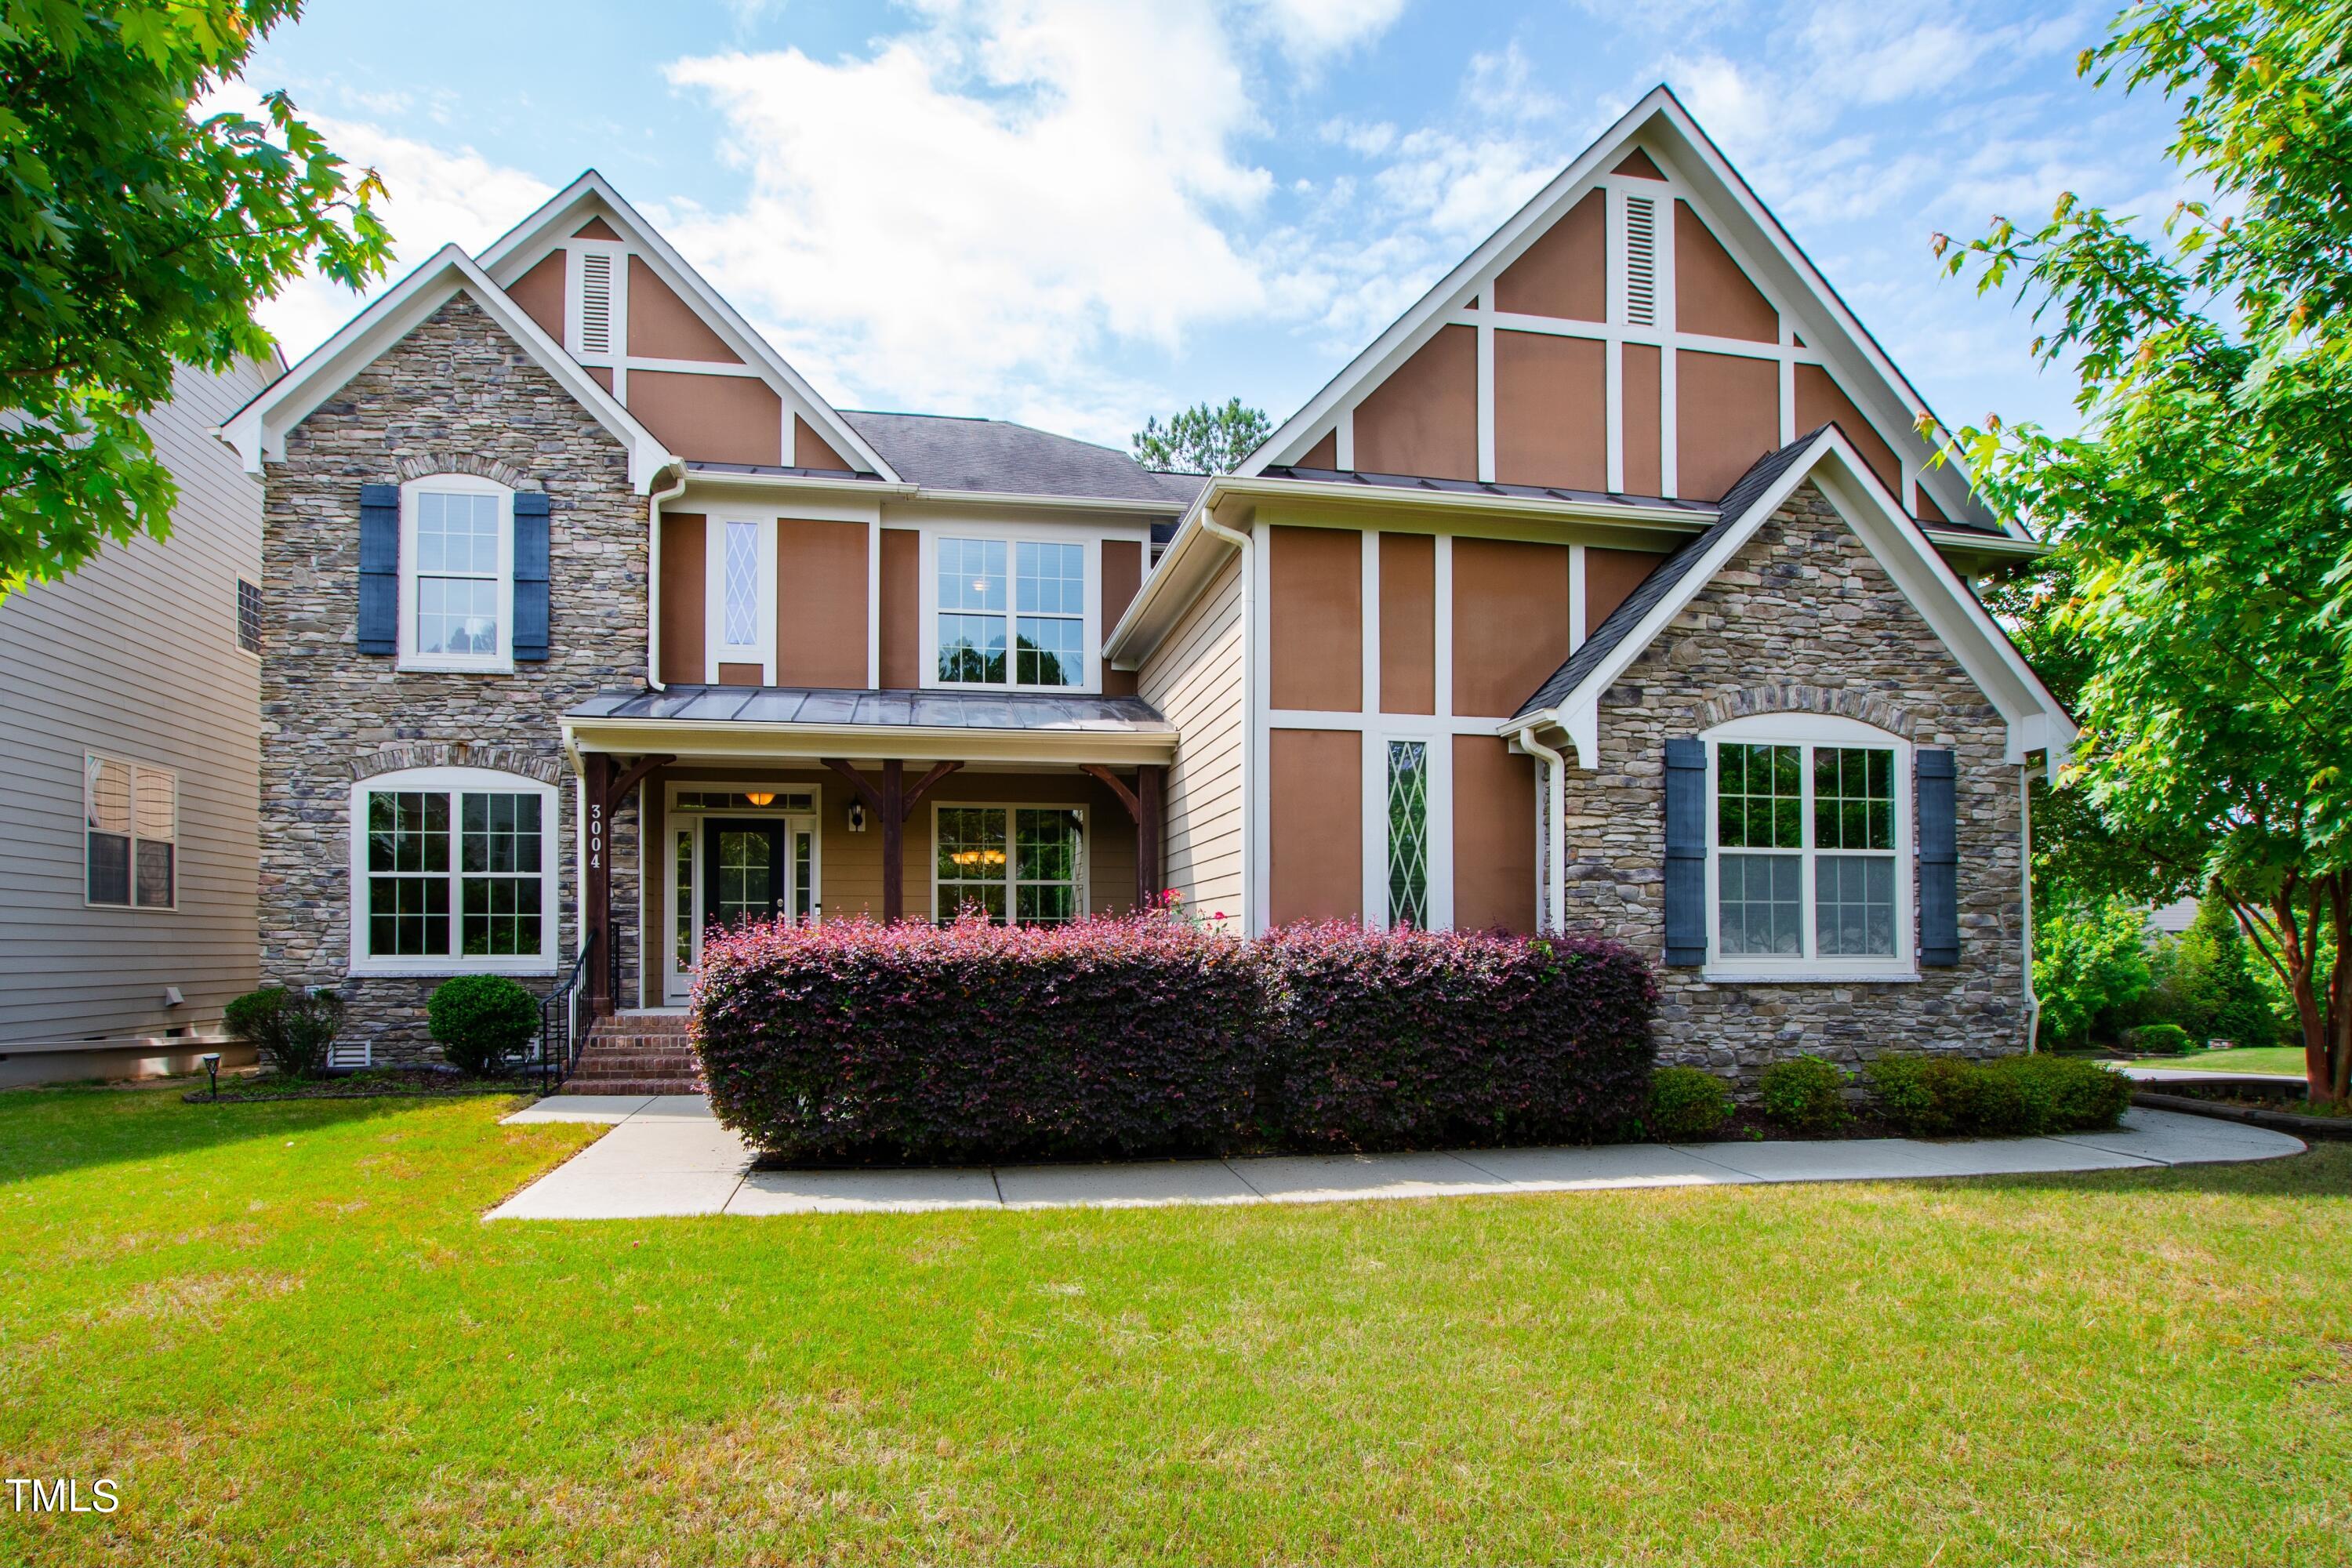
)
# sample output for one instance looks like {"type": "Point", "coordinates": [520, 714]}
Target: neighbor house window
{"type": "Point", "coordinates": [248, 615]}
{"type": "Point", "coordinates": [1409, 833]}
{"type": "Point", "coordinates": [1011, 613]}
{"type": "Point", "coordinates": [457, 573]}
{"type": "Point", "coordinates": [452, 870]}
{"type": "Point", "coordinates": [1809, 857]}
{"type": "Point", "coordinates": [131, 835]}
{"type": "Point", "coordinates": [1027, 860]}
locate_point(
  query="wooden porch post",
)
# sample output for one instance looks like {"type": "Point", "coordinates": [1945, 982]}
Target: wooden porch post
{"type": "Point", "coordinates": [893, 802]}
{"type": "Point", "coordinates": [596, 895]}
{"type": "Point", "coordinates": [1150, 834]}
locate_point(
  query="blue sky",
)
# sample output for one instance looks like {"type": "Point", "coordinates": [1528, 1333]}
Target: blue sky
{"type": "Point", "coordinates": [1076, 215]}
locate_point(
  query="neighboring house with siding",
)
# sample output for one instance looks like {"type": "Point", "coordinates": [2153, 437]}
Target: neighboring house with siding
{"type": "Point", "coordinates": [130, 796]}
{"type": "Point", "coordinates": [1610, 588]}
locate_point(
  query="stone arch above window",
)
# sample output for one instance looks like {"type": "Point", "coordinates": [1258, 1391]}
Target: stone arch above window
{"type": "Point", "coordinates": [545, 768]}
{"type": "Point", "coordinates": [424, 464]}
{"type": "Point", "coordinates": [1751, 701]}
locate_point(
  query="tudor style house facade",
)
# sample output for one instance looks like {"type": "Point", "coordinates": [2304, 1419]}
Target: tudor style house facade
{"type": "Point", "coordinates": [1610, 588]}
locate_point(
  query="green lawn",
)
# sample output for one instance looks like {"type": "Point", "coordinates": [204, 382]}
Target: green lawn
{"type": "Point", "coordinates": [286, 1335]}
{"type": "Point", "coordinates": [2285, 1059]}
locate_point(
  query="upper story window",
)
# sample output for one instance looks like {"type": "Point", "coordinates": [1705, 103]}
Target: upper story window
{"type": "Point", "coordinates": [1809, 858]}
{"type": "Point", "coordinates": [249, 616]}
{"type": "Point", "coordinates": [1010, 611]}
{"type": "Point", "coordinates": [132, 829]}
{"type": "Point", "coordinates": [457, 573]}
{"type": "Point", "coordinates": [739, 593]}
{"type": "Point", "coordinates": [452, 869]}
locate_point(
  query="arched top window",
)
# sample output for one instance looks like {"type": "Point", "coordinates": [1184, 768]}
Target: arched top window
{"type": "Point", "coordinates": [453, 870]}
{"type": "Point", "coordinates": [1810, 850]}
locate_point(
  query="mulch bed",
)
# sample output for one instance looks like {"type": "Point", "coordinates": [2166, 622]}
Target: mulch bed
{"type": "Point", "coordinates": [2256, 1101]}
{"type": "Point", "coordinates": [368, 1083]}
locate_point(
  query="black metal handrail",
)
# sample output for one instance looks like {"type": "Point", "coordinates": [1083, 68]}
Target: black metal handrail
{"type": "Point", "coordinates": [560, 1039]}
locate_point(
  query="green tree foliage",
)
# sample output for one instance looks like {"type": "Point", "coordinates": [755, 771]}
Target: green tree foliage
{"type": "Point", "coordinates": [2205, 985]}
{"type": "Point", "coordinates": [133, 235]}
{"type": "Point", "coordinates": [2203, 522]}
{"type": "Point", "coordinates": [2090, 966]}
{"type": "Point", "coordinates": [1202, 439]}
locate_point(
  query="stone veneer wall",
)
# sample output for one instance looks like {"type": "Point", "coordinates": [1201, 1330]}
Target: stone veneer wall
{"type": "Point", "coordinates": [1802, 619]}
{"type": "Point", "coordinates": [456, 394]}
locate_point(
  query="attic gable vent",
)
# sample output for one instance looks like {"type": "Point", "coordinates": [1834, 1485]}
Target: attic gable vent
{"type": "Point", "coordinates": [1641, 261]}
{"type": "Point", "coordinates": [596, 302]}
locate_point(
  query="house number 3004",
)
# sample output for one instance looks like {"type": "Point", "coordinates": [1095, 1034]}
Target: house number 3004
{"type": "Point", "coordinates": [595, 837]}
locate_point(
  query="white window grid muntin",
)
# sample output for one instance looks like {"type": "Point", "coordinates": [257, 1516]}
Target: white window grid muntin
{"type": "Point", "coordinates": [136, 827]}
{"type": "Point", "coordinates": [1809, 732]}
{"type": "Point", "coordinates": [413, 575]}
{"type": "Point", "coordinates": [717, 645]}
{"type": "Point", "coordinates": [454, 782]}
{"type": "Point", "coordinates": [1089, 538]}
{"type": "Point", "coordinates": [1081, 870]}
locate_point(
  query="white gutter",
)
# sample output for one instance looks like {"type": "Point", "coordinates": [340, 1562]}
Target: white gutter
{"type": "Point", "coordinates": [1250, 847]}
{"type": "Point", "coordinates": [652, 578]}
{"type": "Point", "coordinates": [1556, 834]}
{"type": "Point", "coordinates": [2025, 822]}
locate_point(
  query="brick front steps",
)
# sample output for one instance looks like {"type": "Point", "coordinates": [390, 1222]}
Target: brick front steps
{"type": "Point", "coordinates": [636, 1053]}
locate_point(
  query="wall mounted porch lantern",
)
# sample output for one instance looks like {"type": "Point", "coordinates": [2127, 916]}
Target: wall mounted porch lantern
{"type": "Point", "coordinates": [857, 817]}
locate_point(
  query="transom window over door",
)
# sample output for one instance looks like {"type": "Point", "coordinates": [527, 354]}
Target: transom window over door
{"type": "Point", "coordinates": [454, 870]}
{"type": "Point", "coordinates": [1809, 848]}
{"type": "Point", "coordinates": [1011, 613]}
{"type": "Point", "coordinates": [1029, 860]}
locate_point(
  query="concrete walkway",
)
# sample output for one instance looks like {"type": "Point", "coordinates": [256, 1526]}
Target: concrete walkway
{"type": "Point", "coordinates": [667, 1155]}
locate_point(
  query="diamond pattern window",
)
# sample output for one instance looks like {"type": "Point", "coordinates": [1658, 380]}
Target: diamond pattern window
{"type": "Point", "coordinates": [1409, 833]}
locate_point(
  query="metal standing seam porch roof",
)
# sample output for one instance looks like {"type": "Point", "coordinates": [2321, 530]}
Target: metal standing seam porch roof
{"type": "Point", "coordinates": [1036, 726]}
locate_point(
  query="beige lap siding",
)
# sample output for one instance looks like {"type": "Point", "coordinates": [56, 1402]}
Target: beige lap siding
{"type": "Point", "coordinates": [457, 392]}
{"type": "Point", "coordinates": [1194, 679]}
{"type": "Point", "coordinates": [1803, 619]}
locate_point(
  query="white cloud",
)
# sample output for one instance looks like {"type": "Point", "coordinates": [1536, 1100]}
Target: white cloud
{"type": "Point", "coordinates": [1314, 28]}
{"type": "Point", "coordinates": [966, 216]}
{"type": "Point", "coordinates": [434, 196]}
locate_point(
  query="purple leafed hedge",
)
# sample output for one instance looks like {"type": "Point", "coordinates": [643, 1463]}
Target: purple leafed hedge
{"type": "Point", "coordinates": [1145, 1036]}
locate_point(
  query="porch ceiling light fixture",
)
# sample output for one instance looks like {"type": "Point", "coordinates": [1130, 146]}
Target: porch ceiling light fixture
{"type": "Point", "coordinates": [762, 797]}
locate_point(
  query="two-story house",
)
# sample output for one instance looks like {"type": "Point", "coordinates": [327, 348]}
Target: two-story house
{"type": "Point", "coordinates": [1611, 587]}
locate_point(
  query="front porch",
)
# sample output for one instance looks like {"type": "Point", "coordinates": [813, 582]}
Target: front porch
{"type": "Point", "coordinates": [762, 802]}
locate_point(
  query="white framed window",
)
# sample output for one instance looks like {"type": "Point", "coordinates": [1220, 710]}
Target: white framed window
{"type": "Point", "coordinates": [739, 594]}
{"type": "Point", "coordinates": [130, 831]}
{"type": "Point", "coordinates": [457, 573]}
{"type": "Point", "coordinates": [1810, 850]}
{"type": "Point", "coordinates": [1408, 832]}
{"type": "Point", "coordinates": [248, 615]}
{"type": "Point", "coordinates": [1013, 608]}
{"type": "Point", "coordinates": [1027, 861]}
{"type": "Point", "coordinates": [453, 870]}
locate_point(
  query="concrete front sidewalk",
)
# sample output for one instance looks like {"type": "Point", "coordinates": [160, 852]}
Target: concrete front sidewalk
{"type": "Point", "coordinates": [667, 1155]}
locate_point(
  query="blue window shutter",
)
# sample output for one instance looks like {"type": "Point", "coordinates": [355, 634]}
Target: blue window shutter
{"type": "Point", "coordinates": [1685, 852]}
{"type": "Point", "coordinates": [530, 576]}
{"type": "Point", "coordinates": [379, 569]}
{"type": "Point", "coordinates": [1939, 861]}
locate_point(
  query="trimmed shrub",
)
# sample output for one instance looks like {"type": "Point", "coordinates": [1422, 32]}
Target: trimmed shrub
{"type": "Point", "coordinates": [855, 1040]}
{"type": "Point", "coordinates": [2159, 1039]}
{"type": "Point", "coordinates": [1804, 1094]}
{"type": "Point", "coordinates": [1392, 1039]}
{"type": "Point", "coordinates": [2013, 1097]}
{"type": "Point", "coordinates": [1686, 1104]}
{"type": "Point", "coordinates": [291, 1029]}
{"type": "Point", "coordinates": [480, 1021]}
{"type": "Point", "coordinates": [1147, 1036]}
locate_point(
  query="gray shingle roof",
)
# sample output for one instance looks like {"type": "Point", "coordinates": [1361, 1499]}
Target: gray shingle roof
{"type": "Point", "coordinates": [1604, 639]}
{"type": "Point", "coordinates": [941, 452]}
{"type": "Point", "coordinates": [1032, 710]}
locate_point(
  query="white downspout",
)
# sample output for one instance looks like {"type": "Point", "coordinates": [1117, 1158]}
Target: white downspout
{"type": "Point", "coordinates": [653, 577]}
{"type": "Point", "coordinates": [1556, 846]}
{"type": "Point", "coordinates": [2025, 822]}
{"type": "Point", "coordinates": [1251, 848]}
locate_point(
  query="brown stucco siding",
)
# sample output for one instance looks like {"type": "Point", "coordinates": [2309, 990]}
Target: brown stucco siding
{"type": "Point", "coordinates": [901, 605]}
{"type": "Point", "coordinates": [683, 541]}
{"type": "Point", "coordinates": [1727, 415]}
{"type": "Point", "coordinates": [540, 292]}
{"type": "Point", "coordinates": [1324, 454]}
{"type": "Point", "coordinates": [1712, 295]}
{"type": "Point", "coordinates": [1510, 622]}
{"type": "Point", "coordinates": [1822, 401]}
{"type": "Point", "coordinates": [1314, 620]}
{"type": "Point", "coordinates": [820, 603]}
{"type": "Point", "coordinates": [1642, 409]}
{"type": "Point", "coordinates": [811, 450]}
{"type": "Point", "coordinates": [1802, 619]}
{"type": "Point", "coordinates": [1552, 411]}
{"type": "Point", "coordinates": [1122, 573]}
{"type": "Point", "coordinates": [1423, 419]}
{"type": "Point", "coordinates": [1316, 810]}
{"type": "Point", "coordinates": [1610, 578]}
{"type": "Point", "coordinates": [1565, 273]}
{"type": "Point", "coordinates": [457, 393]}
{"type": "Point", "coordinates": [1494, 836]}
{"type": "Point", "coordinates": [663, 326]}
{"type": "Point", "coordinates": [709, 418]}
{"type": "Point", "coordinates": [1408, 623]}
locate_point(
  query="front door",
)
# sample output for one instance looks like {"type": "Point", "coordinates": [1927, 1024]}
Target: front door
{"type": "Point", "coordinates": [745, 874]}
